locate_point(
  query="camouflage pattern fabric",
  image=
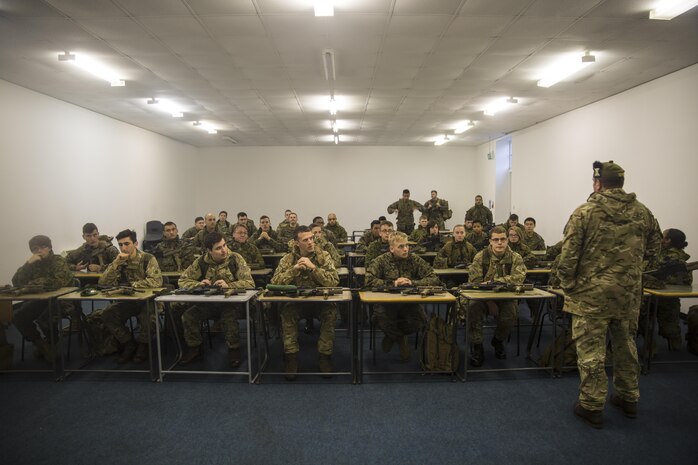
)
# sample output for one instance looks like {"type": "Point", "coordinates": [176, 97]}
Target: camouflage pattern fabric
{"type": "Point", "coordinates": [174, 254]}
{"type": "Point", "coordinates": [533, 240]}
{"type": "Point", "coordinates": [405, 213]}
{"type": "Point", "coordinates": [479, 241]}
{"type": "Point", "coordinates": [418, 235]}
{"type": "Point", "coordinates": [242, 279]}
{"type": "Point", "coordinates": [480, 213]}
{"type": "Point", "coordinates": [249, 252]}
{"type": "Point", "coordinates": [365, 241]}
{"type": "Point", "coordinates": [102, 255]}
{"type": "Point", "coordinates": [374, 250]}
{"type": "Point", "coordinates": [271, 245]}
{"type": "Point", "coordinates": [228, 314]}
{"type": "Point", "coordinates": [51, 272]}
{"type": "Point", "coordinates": [455, 253]}
{"type": "Point", "coordinates": [669, 309]}
{"type": "Point", "coordinates": [198, 241]}
{"type": "Point", "coordinates": [190, 233]}
{"type": "Point", "coordinates": [225, 228]}
{"type": "Point", "coordinates": [436, 210]}
{"type": "Point", "coordinates": [291, 313]}
{"type": "Point", "coordinates": [286, 235]}
{"type": "Point", "coordinates": [328, 247]}
{"type": "Point", "coordinates": [338, 231]}
{"type": "Point", "coordinates": [523, 250]}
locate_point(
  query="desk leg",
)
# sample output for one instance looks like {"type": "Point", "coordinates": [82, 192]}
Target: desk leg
{"type": "Point", "coordinates": [155, 374]}
{"type": "Point", "coordinates": [251, 330]}
{"type": "Point", "coordinates": [650, 318]}
{"type": "Point", "coordinates": [466, 349]}
{"type": "Point", "coordinates": [56, 345]}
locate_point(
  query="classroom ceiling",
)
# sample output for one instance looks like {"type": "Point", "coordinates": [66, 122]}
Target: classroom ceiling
{"type": "Point", "coordinates": [406, 71]}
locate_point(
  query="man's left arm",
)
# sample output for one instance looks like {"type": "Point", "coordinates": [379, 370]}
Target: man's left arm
{"type": "Point", "coordinates": [424, 273]}
{"type": "Point", "coordinates": [325, 274]}
{"type": "Point", "coordinates": [153, 276]}
{"type": "Point", "coordinates": [572, 243]}
{"type": "Point", "coordinates": [518, 270]}
{"type": "Point", "coordinates": [243, 275]}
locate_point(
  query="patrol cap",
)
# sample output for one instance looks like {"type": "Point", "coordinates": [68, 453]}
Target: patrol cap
{"type": "Point", "coordinates": [608, 171]}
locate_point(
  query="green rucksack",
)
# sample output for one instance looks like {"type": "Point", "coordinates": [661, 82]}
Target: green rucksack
{"type": "Point", "coordinates": [440, 348]}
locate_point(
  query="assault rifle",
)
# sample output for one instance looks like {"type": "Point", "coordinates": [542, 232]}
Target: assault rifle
{"type": "Point", "coordinates": [496, 286]}
{"type": "Point", "coordinates": [109, 291]}
{"type": "Point", "coordinates": [23, 290]}
{"type": "Point", "coordinates": [669, 267]}
{"type": "Point", "coordinates": [208, 291]}
{"type": "Point", "coordinates": [276, 290]}
{"type": "Point", "coordinates": [423, 291]}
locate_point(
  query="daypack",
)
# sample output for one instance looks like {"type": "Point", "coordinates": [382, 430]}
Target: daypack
{"type": "Point", "coordinates": [448, 215]}
{"type": "Point", "coordinates": [440, 348]}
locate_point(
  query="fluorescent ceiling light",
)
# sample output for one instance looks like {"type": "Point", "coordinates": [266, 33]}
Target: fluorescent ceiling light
{"type": "Point", "coordinates": [333, 106]}
{"type": "Point", "coordinates": [565, 67]}
{"type": "Point", "coordinates": [206, 127]}
{"type": "Point", "coordinates": [500, 105]}
{"type": "Point", "coordinates": [166, 106]}
{"type": "Point", "coordinates": [670, 9]}
{"type": "Point", "coordinates": [334, 127]}
{"type": "Point", "coordinates": [324, 8]}
{"type": "Point", "coordinates": [441, 140]}
{"type": "Point", "coordinates": [336, 139]}
{"type": "Point", "coordinates": [328, 62]}
{"type": "Point", "coordinates": [462, 127]}
{"type": "Point", "coordinates": [92, 67]}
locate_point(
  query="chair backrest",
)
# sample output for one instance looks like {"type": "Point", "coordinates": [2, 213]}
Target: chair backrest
{"type": "Point", "coordinates": [153, 231]}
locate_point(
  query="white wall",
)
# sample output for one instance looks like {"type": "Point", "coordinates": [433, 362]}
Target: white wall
{"type": "Point", "coordinates": [356, 183]}
{"type": "Point", "coordinates": [63, 166]}
{"type": "Point", "coordinates": [649, 130]}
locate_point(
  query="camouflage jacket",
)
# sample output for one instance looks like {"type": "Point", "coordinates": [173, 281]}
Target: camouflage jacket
{"type": "Point", "coordinates": [553, 251]}
{"type": "Point", "coordinates": [198, 241]}
{"type": "Point", "coordinates": [418, 234]}
{"type": "Point", "coordinates": [141, 270]}
{"type": "Point", "coordinates": [672, 253]}
{"type": "Point", "coordinates": [282, 225]}
{"type": "Point", "coordinates": [405, 210]}
{"type": "Point", "coordinates": [233, 270]}
{"type": "Point", "coordinates": [534, 241]}
{"type": "Point", "coordinates": [251, 227]}
{"type": "Point", "coordinates": [481, 213]}
{"type": "Point", "coordinates": [605, 242]}
{"type": "Point", "coordinates": [365, 241]}
{"type": "Point", "coordinates": [525, 252]}
{"type": "Point", "coordinates": [51, 272]}
{"type": "Point", "coordinates": [249, 252]}
{"type": "Point", "coordinates": [224, 228]}
{"type": "Point", "coordinates": [324, 274]}
{"type": "Point", "coordinates": [271, 245]}
{"type": "Point", "coordinates": [174, 254]}
{"type": "Point", "coordinates": [328, 247]}
{"type": "Point", "coordinates": [479, 242]}
{"type": "Point", "coordinates": [374, 250]}
{"type": "Point", "coordinates": [432, 242]}
{"type": "Point", "coordinates": [339, 232]}
{"type": "Point", "coordinates": [486, 266]}
{"type": "Point", "coordinates": [102, 255]}
{"type": "Point", "coordinates": [286, 235]}
{"type": "Point", "coordinates": [190, 233]}
{"type": "Point", "coordinates": [455, 253]}
{"type": "Point", "coordinates": [387, 268]}
{"type": "Point", "coordinates": [436, 212]}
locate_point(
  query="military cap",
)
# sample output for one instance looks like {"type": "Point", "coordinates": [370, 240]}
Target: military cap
{"type": "Point", "coordinates": [608, 171]}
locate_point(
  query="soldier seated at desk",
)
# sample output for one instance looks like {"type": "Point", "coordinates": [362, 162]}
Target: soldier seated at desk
{"type": "Point", "coordinates": [95, 254]}
{"type": "Point", "coordinates": [457, 252]}
{"type": "Point", "coordinates": [378, 248]}
{"type": "Point", "coordinates": [395, 268]}
{"type": "Point", "coordinates": [530, 237]}
{"type": "Point", "coordinates": [328, 235]}
{"type": "Point", "coordinates": [45, 269]}
{"type": "Point", "coordinates": [496, 263]}
{"type": "Point", "coordinates": [172, 253]}
{"type": "Point", "coordinates": [373, 234]}
{"type": "Point", "coordinates": [322, 242]}
{"type": "Point", "coordinates": [478, 237]}
{"type": "Point", "coordinates": [514, 237]}
{"type": "Point", "coordinates": [433, 241]}
{"type": "Point", "coordinates": [335, 228]}
{"type": "Point", "coordinates": [420, 233]}
{"type": "Point", "coordinates": [307, 266]}
{"type": "Point", "coordinates": [241, 245]}
{"type": "Point", "coordinates": [209, 227]}
{"type": "Point", "coordinates": [224, 226]}
{"type": "Point", "coordinates": [190, 233]}
{"type": "Point", "coordinates": [286, 234]}
{"type": "Point", "coordinates": [266, 239]}
{"type": "Point", "coordinates": [222, 268]}
{"type": "Point", "coordinates": [130, 268]}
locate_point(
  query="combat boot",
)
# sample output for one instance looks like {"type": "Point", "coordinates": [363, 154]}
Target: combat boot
{"type": "Point", "coordinates": [477, 355]}
{"type": "Point", "coordinates": [404, 349]}
{"type": "Point", "coordinates": [387, 344]}
{"type": "Point", "coordinates": [127, 353]}
{"type": "Point", "coordinates": [291, 366]}
{"type": "Point", "coordinates": [499, 351]}
{"type": "Point", "coordinates": [141, 353]}
{"type": "Point", "coordinates": [234, 357]}
{"type": "Point", "coordinates": [593, 418]}
{"type": "Point", "coordinates": [325, 363]}
{"type": "Point", "coordinates": [192, 354]}
{"type": "Point", "coordinates": [629, 408]}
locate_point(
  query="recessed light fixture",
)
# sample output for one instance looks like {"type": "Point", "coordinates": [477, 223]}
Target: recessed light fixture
{"type": "Point", "coordinates": [206, 127]}
{"type": "Point", "coordinates": [441, 140]}
{"type": "Point", "coordinates": [670, 9]}
{"type": "Point", "coordinates": [336, 139]}
{"type": "Point", "coordinates": [499, 105]}
{"type": "Point", "coordinates": [334, 127]}
{"type": "Point", "coordinates": [462, 127]}
{"type": "Point", "coordinates": [323, 7]}
{"type": "Point", "coordinates": [92, 67]}
{"type": "Point", "coordinates": [565, 67]}
{"type": "Point", "coordinates": [166, 106]}
{"type": "Point", "coordinates": [333, 106]}
{"type": "Point", "coordinates": [328, 63]}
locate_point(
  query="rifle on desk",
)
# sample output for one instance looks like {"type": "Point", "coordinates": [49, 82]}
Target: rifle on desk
{"type": "Point", "coordinates": [496, 286]}
{"type": "Point", "coordinates": [424, 291]}
{"type": "Point", "coordinates": [109, 291]}
{"type": "Point", "coordinates": [23, 290]}
{"type": "Point", "coordinates": [669, 267]}
{"type": "Point", "coordinates": [208, 291]}
{"type": "Point", "coordinates": [274, 290]}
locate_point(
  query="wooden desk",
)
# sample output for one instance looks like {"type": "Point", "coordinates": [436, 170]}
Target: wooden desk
{"type": "Point", "coordinates": [145, 298]}
{"type": "Point", "coordinates": [183, 298]}
{"type": "Point", "coordinates": [369, 299]}
{"type": "Point", "coordinates": [344, 297]}
{"type": "Point", "coordinates": [51, 299]}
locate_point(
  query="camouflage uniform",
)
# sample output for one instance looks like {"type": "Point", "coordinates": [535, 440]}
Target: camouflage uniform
{"type": "Point", "coordinates": [249, 252]}
{"type": "Point", "coordinates": [271, 245]}
{"type": "Point", "coordinates": [436, 213]}
{"type": "Point", "coordinates": [600, 271]}
{"type": "Point", "coordinates": [102, 255]}
{"type": "Point", "coordinates": [239, 277]}
{"type": "Point", "coordinates": [375, 250]}
{"type": "Point", "coordinates": [398, 320]}
{"type": "Point", "coordinates": [418, 234]}
{"type": "Point", "coordinates": [669, 309]}
{"type": "Point", "coordinates": [365, 241]}
{"type": "Point", "coordinates": [198, 241]}
{"type": "Point", "coordinates": [405, 214]}
{"type": "Point", "coordinates": [224, 228]}
{"type": "Point", "coordinates": [141, 271]}
{"type": "Point", "coordinates": [534, 241]}
{"type": "Point", "coordinates": [324, 275]}
{"type": "Point", "coordinates": [523, 250]}
{"type": "Point", "coordinates": [480, 213]}
{"type": "Point", "coordinates": [553, 251]}
{"type": "Point", "coordinates": [286, 235]}
{"type": "Point", "coordinates": [480, 242]}
{"type": "Point", "coordinates": [327, 246]}
{"type": "Point", "coordinates": [51, 272]}
{"type": "Point", "coordinates": [431, 243]}
{"type": "Point", "coordinates": [190, 233]}
{"type": "Point", "coordinates": [251, 227]}
{"type": "Point", "coordinates": [338, 231]}
{"type": "Point", "coordinates": [174, 254]}
{"type": "Point", "coordinates": [455, 253]}
{"type": "Point", "coordinates": [486, 266]}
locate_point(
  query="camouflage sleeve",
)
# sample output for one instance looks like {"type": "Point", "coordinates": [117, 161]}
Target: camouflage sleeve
{"type": "Point", "coordinates": [111, 275]}
{"type": "Point", "coordinates": [538, 243]}
{"type": "Point", "coordinates": [243, 276]}
{"type": "Point", "coordinates": [490, 219]}
{"type": "Point", "coordinates": [22, 275]}
{"type": "Point", "coordinates": [441, 259]}
{"type": "Point", "coordinates": [375, 273]}
{"type": "Point", "coordinates": [334, 255]}
{"type": "Point", "coordinates": [73, 257]}
{"type": "Point", "coordinates": [153, 276]}
{"type": "Point", "coordinates": [443, 206]}
{"type": "Point", "coordinates": [425, 274]}
{"type": "Point", "coordinates": [518, 270]}
{"type": "Point", "coordinates": [326, 274]}
{"type": "Point", "coordinates": [392, 207]}
{"type": "Point", "coordinates": [418, 205]}
{"type": "Point", "coordinates": [372, 252]}
{"type": "Point", "coordinates": [475, 269]}
{"type": "Point", "coordinates": [342, 234]}
{"type": "Point", "coordinates": [654, 242]}
{"type": "Point", "coordinates": [57, 275]}
{"type": "Point", "coordinates": [110, 255]}
{"type": "Point", "coordinates": [285, 273]}
{"type": "Point", "coordinates": [191, 277]}
{"type": "Point", "coordinates": [572, 244]}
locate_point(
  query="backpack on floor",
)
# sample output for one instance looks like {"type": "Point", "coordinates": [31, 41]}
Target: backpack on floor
{"type": "Point", "coordinates": [440, 348]}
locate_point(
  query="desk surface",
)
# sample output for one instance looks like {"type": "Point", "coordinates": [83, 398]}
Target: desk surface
{"type": "Point", "coordinates": [371, 297]}
{"type": "Point", "coordinates": [274, 255]}
{"type": "Point", "coordinates": [360, 270]}
{"type": "Point", "coordinates": [673, 290]}
{"type": "Point", "coordinates": [343, 271]}
{"type": "Point", "coordinates": [491, 295]}
{"type": "Point", "coordinates": [450, 271]}
{"type": "Point", "coordinates": [88, 274]}
{"type": "Point", "coordinates": [346, 244]}
{"type": "Point", "coordinates": [538, 271]}
{"type": "Point", "coordinates": [37, 296]}
{"type": "Point", "coordinates": [345, 296]}
{"type": "Point", "coordinates": [138, 296]}
{"type": "Point", "coordinates": [356, 254]}
{"type": "Point", "coordinates": [210, 299]}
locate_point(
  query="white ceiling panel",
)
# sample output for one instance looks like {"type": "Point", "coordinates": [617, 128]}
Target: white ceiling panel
{"type": "Point", "coordinates": [422, 7]}
{"type": "Point", "coordinates": [222, 7]}
{"type": "Point", "coordinates": [87, 8]}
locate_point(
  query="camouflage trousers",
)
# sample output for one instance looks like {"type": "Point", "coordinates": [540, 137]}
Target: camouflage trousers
{"type": "Point", "coordinates": [589, 335]}
{"type": "Point", "coordinates": [397, 321]}
{"type": "Point", "coordinates": [229, 314]}
{"type": "Point", "coordinates": [37, 310]}
{"type": "Point", "coordinates": [507, 314]}
{"type": "Point", "coordinates": [325, 313]}
{"type": "Point", "coordinates": [407, 228]}
{"type": "Point", "coordinates": [117, 314]}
